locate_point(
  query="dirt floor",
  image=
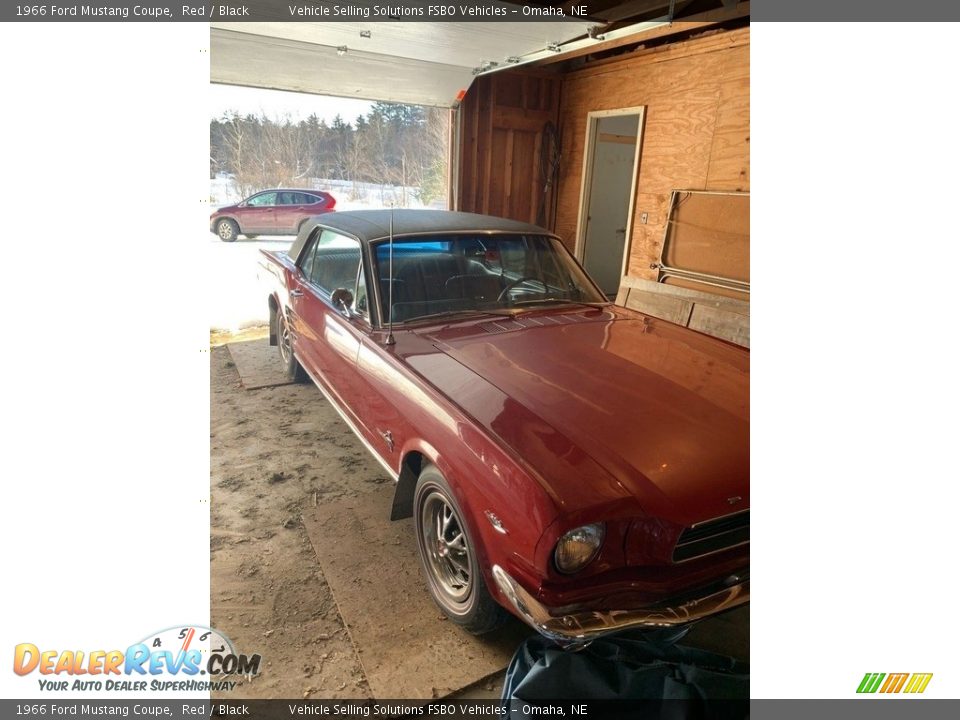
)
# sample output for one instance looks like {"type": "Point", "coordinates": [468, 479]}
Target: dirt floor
{"type": "Point", "coordinates": [272, 451]}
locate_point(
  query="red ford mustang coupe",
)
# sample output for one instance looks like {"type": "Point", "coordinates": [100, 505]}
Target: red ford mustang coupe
{"type": "Point", "coordinates": [584, 466]}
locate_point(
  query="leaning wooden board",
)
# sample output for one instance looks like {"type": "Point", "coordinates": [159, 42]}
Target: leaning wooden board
{"type": "Point", "coordinates": [716, 315]}
{"type": "Point", "coordinates": [406, 646]}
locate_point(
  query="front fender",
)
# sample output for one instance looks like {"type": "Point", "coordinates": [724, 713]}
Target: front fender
{"type": "Point", "coordinates": [513, 545]}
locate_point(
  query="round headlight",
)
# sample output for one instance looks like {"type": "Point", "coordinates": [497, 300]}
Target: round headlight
{"type": "Point", "coordinates": [578, 547]}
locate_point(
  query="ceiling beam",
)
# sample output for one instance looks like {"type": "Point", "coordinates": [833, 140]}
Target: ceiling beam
{"type": "Point", "coordinates": [693, 22]}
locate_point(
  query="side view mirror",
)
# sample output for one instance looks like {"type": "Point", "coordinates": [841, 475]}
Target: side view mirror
{"type": "Point", "coordinates": [342, 300]}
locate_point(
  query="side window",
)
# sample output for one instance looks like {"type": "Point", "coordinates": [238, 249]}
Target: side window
{"type": "Point", "coordinates": [360, 296]}
{"type": "Point", "coordinates": [336, 262]}
{"type": "Point", "coordinates": [306, 265]}
{"type": "Point", "coordinates": [263, 200]}
{"type": "Point", "coordinates": [293, 198]}
{"type": "Point", "coordinates": [312, 199]}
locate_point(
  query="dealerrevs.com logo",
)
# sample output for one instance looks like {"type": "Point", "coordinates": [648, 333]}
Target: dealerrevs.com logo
{"type": "Point", "coordinates": [183, 659]}
{"type": "Point", "coordinates": [911, 683]}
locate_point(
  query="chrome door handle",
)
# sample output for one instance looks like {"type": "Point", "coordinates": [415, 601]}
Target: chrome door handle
{"type": "Point", "coordinates": [296, 293]}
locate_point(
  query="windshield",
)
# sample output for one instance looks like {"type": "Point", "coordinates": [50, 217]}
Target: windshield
{"type": "Point", "coordinates": [451, 274]}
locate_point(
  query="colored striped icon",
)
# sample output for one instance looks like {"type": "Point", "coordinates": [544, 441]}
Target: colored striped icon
{"type": "Point", "coordinates": [894, 682]}
{"type": "Point", "coordinates": [918, 683]}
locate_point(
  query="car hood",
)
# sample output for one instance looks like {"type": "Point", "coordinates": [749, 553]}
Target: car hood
{"type": "Point", "coordinates": [663, 409]}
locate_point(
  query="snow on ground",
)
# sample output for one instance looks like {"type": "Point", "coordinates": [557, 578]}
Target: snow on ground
{"type": "Point", "coordinates": [235, 298]}
{"type": "Point", "coordinates": [350, 195]}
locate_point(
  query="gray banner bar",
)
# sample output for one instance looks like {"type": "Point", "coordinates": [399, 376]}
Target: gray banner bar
{"type": "Point", "coordinates": [872, 708]}
{"type": "Point", "coordinates": [424, 11]}
{"type": "Point", "coordinates": [855, 11]}
{"type": "Point", "coordinates": [287, 11]}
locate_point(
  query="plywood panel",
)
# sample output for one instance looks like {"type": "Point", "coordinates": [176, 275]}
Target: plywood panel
{"type": "Point", "coordinates": [406, 648]}
{"type": "Point", "coordinates": [730, 154]}
{"type": "Point", "coordinates": [696, 135]}
{"type": "Point", "coordinates": [709, 233]}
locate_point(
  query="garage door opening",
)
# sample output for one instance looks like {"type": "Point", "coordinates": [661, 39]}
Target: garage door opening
{"type": "Point", "coordinates": [365, 154]}
{"type": "Point", "coordinates": [277, 158]}
{"type": "Point", "coordinates": [610, 170]}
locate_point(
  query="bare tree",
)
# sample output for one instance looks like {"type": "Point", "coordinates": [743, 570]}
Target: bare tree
{"type": "Point", "coordinates": [392, 145]}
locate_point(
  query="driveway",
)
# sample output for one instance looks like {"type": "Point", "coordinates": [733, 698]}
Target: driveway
{"type": "Point", "coordinates": [234, 300]}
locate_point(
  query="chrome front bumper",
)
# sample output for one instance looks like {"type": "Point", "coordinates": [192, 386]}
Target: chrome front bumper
{"type": "Point", "coordinates": [583, 626]}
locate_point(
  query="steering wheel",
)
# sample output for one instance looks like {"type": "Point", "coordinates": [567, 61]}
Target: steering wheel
{"type": "Point", "coordinates": [520, 281]}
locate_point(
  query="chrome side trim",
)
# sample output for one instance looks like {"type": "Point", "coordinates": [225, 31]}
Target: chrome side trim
{"type": "Point", "coordinates": [582, 627]}
{"type": "Point", "coordinates": [702, 523]}
{"type": "Point", "coordinates": [495, 522]}
{"type": "Point", "coordinates": [719, 517]}
{"type": "Point", "coordinates": [343, 416]}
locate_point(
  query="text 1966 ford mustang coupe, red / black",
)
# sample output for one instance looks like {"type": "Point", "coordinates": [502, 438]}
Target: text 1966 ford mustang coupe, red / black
{"type": "Point", "coordinates": [584, 466]}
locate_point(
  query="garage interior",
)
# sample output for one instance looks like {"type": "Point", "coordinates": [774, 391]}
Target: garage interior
{"type": "Point", "coordinates": [641, 109]}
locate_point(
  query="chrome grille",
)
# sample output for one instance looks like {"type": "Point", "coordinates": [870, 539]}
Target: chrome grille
{"type": "Point", "coordinates": [713, 536]}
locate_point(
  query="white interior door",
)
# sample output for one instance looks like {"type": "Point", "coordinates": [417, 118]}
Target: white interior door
{"type": "Point", "coordinates": [609, 185]}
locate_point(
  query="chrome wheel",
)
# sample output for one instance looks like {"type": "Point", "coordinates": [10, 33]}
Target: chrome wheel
{"type": "Point", "coordinates": [283, 339]}
{"type": "Point", "coordinates": [445, 548]}
{"type": "Point", "coordinates": [450, 556]}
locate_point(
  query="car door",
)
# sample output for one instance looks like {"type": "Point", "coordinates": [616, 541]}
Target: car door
{"type": "Point", "coordinates": [327, 340]}
{"type": "Point", "coordinates": [258, 213]}
{"type": "Point", "coordinates": [289, 211]}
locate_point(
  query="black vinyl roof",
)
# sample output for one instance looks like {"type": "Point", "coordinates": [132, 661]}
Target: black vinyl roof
{"type": "Point", "coordinates": [370, 225]}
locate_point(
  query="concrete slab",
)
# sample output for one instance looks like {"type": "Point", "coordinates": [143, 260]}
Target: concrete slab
{"type": "Point", "coordinates": [406, 646]}
{"type": "Point", "coordinates": [258, 363]}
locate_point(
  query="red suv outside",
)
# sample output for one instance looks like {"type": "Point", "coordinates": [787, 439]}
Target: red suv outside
{"type": "Point", "coordinates": [271, 212]}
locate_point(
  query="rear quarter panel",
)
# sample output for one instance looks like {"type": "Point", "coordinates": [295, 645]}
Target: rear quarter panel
{"type": "Point", "coordinates": [273, 278]}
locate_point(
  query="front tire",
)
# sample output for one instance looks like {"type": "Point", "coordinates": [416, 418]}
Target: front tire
{"type": "Point", "coordinates": [448, 556]}
{"type": "Point", "coordinates": [291, 365]}
{"type": "Point", "coordinates": [227, 230]}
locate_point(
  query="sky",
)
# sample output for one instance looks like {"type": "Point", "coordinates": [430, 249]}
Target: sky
{"type": "Point", "coordinates": [279, 103]}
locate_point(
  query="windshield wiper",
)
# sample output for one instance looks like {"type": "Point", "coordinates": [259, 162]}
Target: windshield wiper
{"type": "Point", "coordinates": [540, 301]}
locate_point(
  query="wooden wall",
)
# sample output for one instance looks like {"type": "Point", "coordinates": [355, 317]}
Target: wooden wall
{"type": "Point", "coordinates": [502, 121]}
{"type": "Point", "coordinates": [696, 134]}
